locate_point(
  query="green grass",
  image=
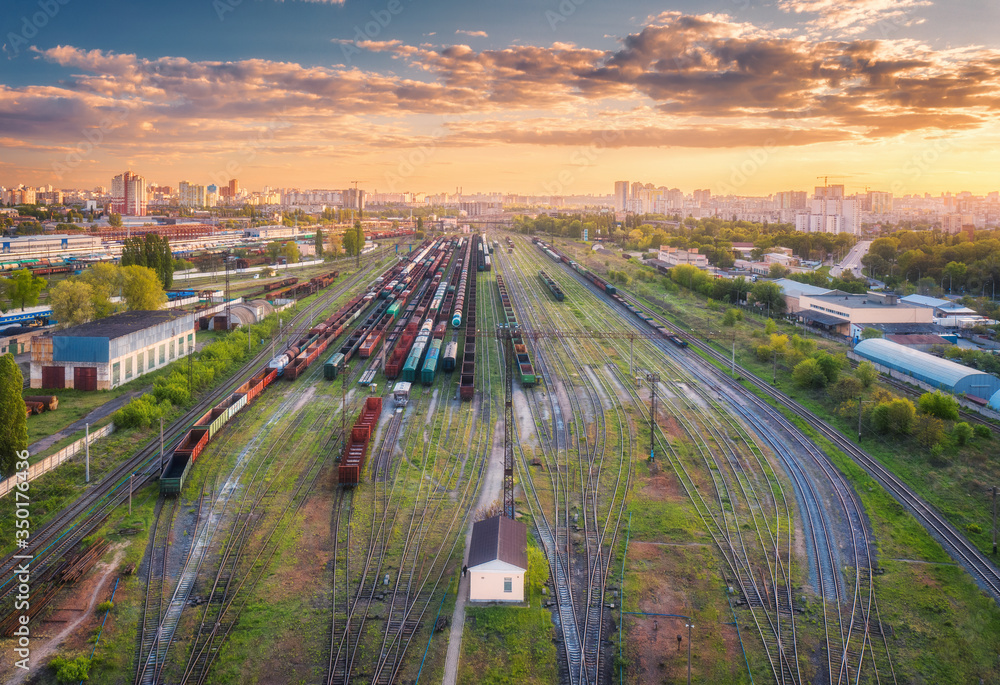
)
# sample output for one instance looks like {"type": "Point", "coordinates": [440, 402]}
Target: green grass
{"type": "Point", "coordinates": [508, 645]}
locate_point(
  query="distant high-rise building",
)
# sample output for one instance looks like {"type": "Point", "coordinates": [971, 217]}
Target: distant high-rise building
{"type": "Point", "coordinates": [791, 199]}
{"type": "Point", "coordinates": [234, 187]}
{"type": "Point", "coordinates": [703, 196]}
{"type": "Point", "coordinates": [878, 202]}
{"type": "Point", "coordinates": [829, 192]}
{"type": "Point", "coordinates": [191, 195]}
{"type": "Point", "coordinates": [621, 196]}
{"type": "Point", "coordinates": [353, 198]}
{"type": "Point", "coordinates": [128, 194]}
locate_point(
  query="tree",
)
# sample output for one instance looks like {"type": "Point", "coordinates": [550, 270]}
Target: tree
{"type": "Point", "coordinates": [731, 317]}
{"type": "Point", "coordinates": [895, 416]}
{"type": "Point", "coordinates": [829, 365]}
{"type": "Point", "coordinates": [115, 220]}
{"type": "Point", "coordinates": [273, 249]}
{"type": "Point", "coordinates": [72, 302]}
{"type": "Point", "coordinates": [105, 280]}
{"type": "Point", "coordinates": [538, 568]}
{"type": "Point", "coordinates": [335, 246]}
{"type": "Point", "coordinates": [768, 295]}
{"type": "Point", "coordinates": [939, 405]}
{"type": "Point", "coordinates": [930, 432]}
{"type": "Point", "coordinates": [962, 432]}
{"type": "Point", "coordinates": [71, 670]}
{"type": "Point", "coordinates": [14, 427]}
{"type": "Point", "coordinates": [290, 251]}
{"type": "Point", "coordinates": [420, 223]}
{"type": "Point", "coordinates": [846, 388]}
{"type": "Point", "coordinates": [351, 242]}
{"type": "Point", "coordinates": [141, 289]}
{"type": "Point", "coordinates": [153, 251]}
{"type": "Point", "coordinates": [361, 235]}
{"type": "Point", "coordinates": [866, 373]}
{"type": "Point", "coordinates": [809, 374]}
{"type": "Point", "coordinates": [23, 288]}
{"type": "Point", "coordinates": [319, 242]}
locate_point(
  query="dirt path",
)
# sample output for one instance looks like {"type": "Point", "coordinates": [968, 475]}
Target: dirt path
{"type": "Point", "coordinates": [94, 416]}
{"type": "Point", "coordinates": [44, 648]}
{"type": "Point", "coordinates": [491, 490]}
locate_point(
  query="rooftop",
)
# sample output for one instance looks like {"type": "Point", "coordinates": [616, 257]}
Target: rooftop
{"type": "Point", "coordinates": [793, 288]}
{"type": "Point", "coordinates": [925, 301]}
{"type": "Point", "coordinates": [866, 301]}
{"type": "Point", "coordinates": [119, 325]}
{"type": "Point", "coordinates": [499, 538]}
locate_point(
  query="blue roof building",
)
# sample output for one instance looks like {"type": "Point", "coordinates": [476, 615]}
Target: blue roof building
{"type": "Point", "coordinates": [939, 373]}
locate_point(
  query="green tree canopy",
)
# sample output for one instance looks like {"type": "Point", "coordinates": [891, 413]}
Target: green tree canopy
{"type": "Point", "coordinates": [141, 288]}
{"type": "Point", "coordinates": [23, 288]}
{"type": "Point", "coordinates": [14, 427]}
{"type": "Point", "coordinates": [290, 251]}
{"type": "Point", "coordinates": [319, 242]}
{"type": "Point", "coordinates": [72, 302]}
{"type": "Point", "coordinates": [115, 220]}
{"type": "Point", "coordinates": [153, 251]}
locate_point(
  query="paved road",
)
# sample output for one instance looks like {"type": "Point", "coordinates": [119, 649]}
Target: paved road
{"type": "Point", "coordinates": [853, 259]}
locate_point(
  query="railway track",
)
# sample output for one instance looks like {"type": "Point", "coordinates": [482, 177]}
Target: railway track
{"type": "Point", "coordinates": [65, 531]}
{"type": "Point", "coordinates": [420, 567]}
{"type": "Point", "coordinates": [770, 603]}
{"type": "Point", "coordinates": [600, 528]}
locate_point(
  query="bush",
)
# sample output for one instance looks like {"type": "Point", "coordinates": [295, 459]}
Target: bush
{"type": "Point", "coordinates": [174, 388]}
{"type": "Point", "coordinates": [829, 365]}
{"type": "Point", "coordinates": [71, 670]}
{"type": "Point", "coordinates": [731, 317]}
{"type": "Point", "coordinates": [894, 416]}
{"type": "Point", "coordinates": [764, 353]}
{"type": "Point", "coordinates": [141, 412]}
{"type": "Point", "coordinates": [866, 373]}
{"type": "Point", "coordinates": [809, 374]}
{"type": "Point", "coordinates": [846, 388]}
{"type": "Point", "coordinates": [938, 458]}
{"type": "Point", "coordinates": [962, 432]}
{"type": "Point", "coordinates": [930, 432]}
{"type": "Point", "coordinates": [106, 605]}
{"type": "Point", "coordinates": [770, 327]}
{"type": "Point", "coordinates": [982, 431]}
{"type": "Point", "coordinates": [939, 405]}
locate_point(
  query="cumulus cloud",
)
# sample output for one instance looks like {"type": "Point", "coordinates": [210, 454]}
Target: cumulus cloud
{"type": "Point", "coordinates": [694, 81]}
{"type": "Point", "coordinates": [852, 17]}
{"type": "Point", "coordinates": [475, 34]}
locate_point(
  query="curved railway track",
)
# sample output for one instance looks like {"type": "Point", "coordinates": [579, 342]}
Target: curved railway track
{"type": "Point", "coordinates": [842, 663]}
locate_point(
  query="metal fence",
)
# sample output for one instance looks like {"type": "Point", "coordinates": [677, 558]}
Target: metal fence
{"type": "Point", "coordinates": [54, 460]}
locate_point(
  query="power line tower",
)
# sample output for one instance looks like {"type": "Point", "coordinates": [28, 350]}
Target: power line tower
{"type": "Point", "coordinates": [652, 378]}
{"type": "Point", "coordinates": [506, 336]}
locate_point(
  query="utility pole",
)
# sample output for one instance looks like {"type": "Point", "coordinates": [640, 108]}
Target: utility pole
{"type": "Point", "coordinates": [861, 404]}
{"type": "Point", "coordinates": [652, 378]}
{"type": "Point", "coordinates": [994, 520]}
{"type": "Point", "coordinates": [774, 369]}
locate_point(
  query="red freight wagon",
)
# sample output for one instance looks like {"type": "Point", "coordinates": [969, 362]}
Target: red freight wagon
{"type": "Point", "coordinates": [193, 443]}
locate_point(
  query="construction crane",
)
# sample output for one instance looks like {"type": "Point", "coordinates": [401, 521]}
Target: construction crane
{"type": "Point", "coordinates": [826, 183]}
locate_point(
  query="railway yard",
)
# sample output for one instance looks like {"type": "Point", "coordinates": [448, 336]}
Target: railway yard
{"type": "Point", "coordinates": [307, 521]}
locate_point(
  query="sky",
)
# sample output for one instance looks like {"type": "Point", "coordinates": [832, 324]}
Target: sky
{"type": "Point", "coordinates": [545, 97]}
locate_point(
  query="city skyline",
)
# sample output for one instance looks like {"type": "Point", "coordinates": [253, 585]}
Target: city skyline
{"type": "Point", "coordinates": [733, 97]}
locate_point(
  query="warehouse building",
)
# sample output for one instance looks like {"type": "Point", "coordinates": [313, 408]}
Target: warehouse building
{"type": "Point", "coordinates": [109, 352]}
{"type": "Point", "coordinates": [936, 372]}
{"type": "Point", "coordinates": [838, 312]}
{"type": "Point", "coordinates": [498, 560]}
{"type": "Point", "coordinates": [994, 403]}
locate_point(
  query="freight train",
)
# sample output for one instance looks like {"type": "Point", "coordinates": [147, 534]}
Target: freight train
{"type": "Point", "coordinates": [554, 255]}
{"type": "Point", "coordinates": [204, 429]}
{"type": "Point", "coordinates": [352, 463]}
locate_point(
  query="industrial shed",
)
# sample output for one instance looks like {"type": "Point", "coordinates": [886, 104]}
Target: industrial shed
{"type": "Point", "coordinates": [939, 373]}
{"type": "Point", "coordinates": [109, 352]}
{"type": "Point", "coordinates": [994, 403]}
